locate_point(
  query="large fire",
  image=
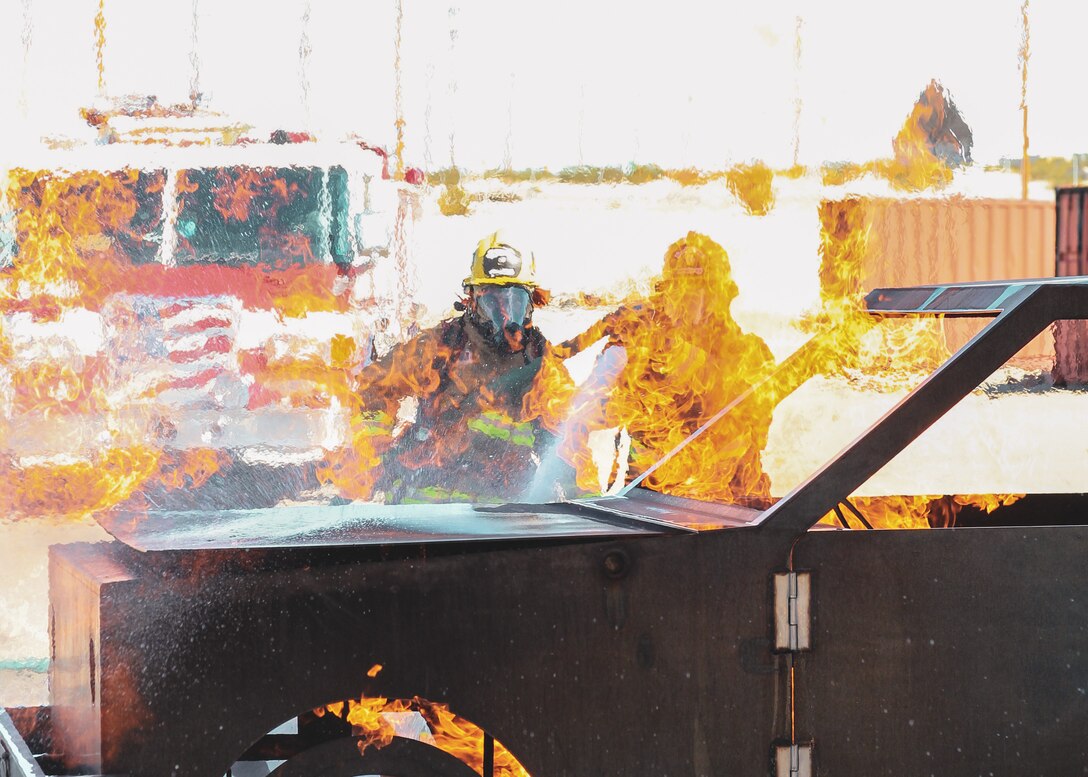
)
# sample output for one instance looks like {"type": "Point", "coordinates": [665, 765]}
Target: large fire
{"type": "Point", "coordinates": [424, 370]}
{"type": "Point", "coordinates": [671, 362]}
{"type": "Point", "coordinates": [87, 248]}
{"type": "Point", "coordinates": [912, 345]}
{"type": "Point", "coordinates": [683, 392]}
{"type": "Point", "coordinates": [67, 487]}
{"type": "Point", "coordinates": [889, 357]}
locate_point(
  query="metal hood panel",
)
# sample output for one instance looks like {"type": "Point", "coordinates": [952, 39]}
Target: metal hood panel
{"type": "Point", "coordinates": [356, 524]}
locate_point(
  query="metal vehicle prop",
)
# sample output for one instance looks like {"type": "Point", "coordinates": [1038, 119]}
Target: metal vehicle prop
{"type": "Point", "coordinates": [597, 637]}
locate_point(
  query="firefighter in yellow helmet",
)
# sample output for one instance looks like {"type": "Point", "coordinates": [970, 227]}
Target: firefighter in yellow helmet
{"type": "Point", "coordinates": [464, 411]}
{"type": "Point", "coordinates": [501, 290]}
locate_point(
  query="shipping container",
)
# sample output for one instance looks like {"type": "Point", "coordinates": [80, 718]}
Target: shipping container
{"type": "Point", "coordinates": [1071, 258]}
{"type": "Point", "coordinates": [957, 240]}
{"type": "Point", "coordinates": [1071, 245]}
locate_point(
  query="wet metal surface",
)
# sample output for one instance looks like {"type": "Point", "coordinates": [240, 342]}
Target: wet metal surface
{"type": "Point", "coordinates": [353, 524]}
{"type": "Point", "coordinates": [644, 512]}
{"type": "Point", "coordinates": [677, 512]}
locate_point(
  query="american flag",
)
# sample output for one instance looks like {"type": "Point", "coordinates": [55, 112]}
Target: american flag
{"type": "Point", "coordinates": [177, 351]}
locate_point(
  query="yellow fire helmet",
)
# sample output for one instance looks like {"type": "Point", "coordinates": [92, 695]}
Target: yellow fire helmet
{"type": "Point", "coordinates": [498, 262]}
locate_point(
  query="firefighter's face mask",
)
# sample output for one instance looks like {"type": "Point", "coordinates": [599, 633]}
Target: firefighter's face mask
{"type": "Point", "coordinates": [503, 314]}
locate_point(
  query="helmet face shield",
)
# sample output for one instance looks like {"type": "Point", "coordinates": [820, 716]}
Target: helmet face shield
{"type": "Point", "coordinates": [503, 313]}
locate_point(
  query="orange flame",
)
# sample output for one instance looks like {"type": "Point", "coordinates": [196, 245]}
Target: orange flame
{"type": "Point", "coordinates": [80, 237]}
{"type": "Point", "coordinates": [191, 468]}
{"type": "Point", "coordinates": [75, 489]}
{"type": "Point", "coordinates": [465, 398]}
{"type": "Point", "coordinates": [464, 740]}
{"type": "Point", "coordinates": [915, 166]}
{"type": "Point", "coordinates": [751, 184]}
{"type": "Point", "coordinates": [551, 393]}
{"type": "Point", "coordinates": [915, 512]}
{"type": "Point", "coordinates": [235, 193]}
{"type": "Point", "coordinates": [410, 369]}
{"type": "Point", "coordinates": [67, 230]}
{"type": "Point", "coordinates": [892, 356]}
{"type": "Point", "coordinates": [48, 388]}
{"type": "Point", "coordinates": [70, 489]}
{"type": "Point", "coordinates": [450, 732]}
{"type": "Point", "coordinates": [313, 381]}
{"type": "Point", "coordinates": [896, 353]}
{"type": "Point", "coordinates": [678, 358]}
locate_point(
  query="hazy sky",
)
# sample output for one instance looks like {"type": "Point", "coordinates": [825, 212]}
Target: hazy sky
{"type": "Point", "coordinates": [597, 81]}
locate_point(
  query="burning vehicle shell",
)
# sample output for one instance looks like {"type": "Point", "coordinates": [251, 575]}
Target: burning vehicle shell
{"type": "Point", "coordinates": [637, 633]}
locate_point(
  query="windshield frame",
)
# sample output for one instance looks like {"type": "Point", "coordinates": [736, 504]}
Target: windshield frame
{"type": "Point", "coordinates": [1019, 310]}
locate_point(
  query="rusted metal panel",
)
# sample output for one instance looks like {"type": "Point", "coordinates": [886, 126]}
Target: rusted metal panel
{"type": "Point", "coordinates": [82, 584]}
{"type": "Point", "coordinates": [923, 643]}
{"type": "Point", "coordinates": [577, 665]}
{"type": "Point", "coordinates": [951, 651]}
{"type": "Point", "coordinates": [1071, 247]}
{"type": "Point", "coordinates": [957, 240]}
{"type": "Point", "coordinates": [1072, 237]}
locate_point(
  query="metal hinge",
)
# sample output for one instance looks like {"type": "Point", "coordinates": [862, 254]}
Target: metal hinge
{"type": "Point", "coordinates": [793, 761]}
{"type": "Point", "coordinates": [792, 625]}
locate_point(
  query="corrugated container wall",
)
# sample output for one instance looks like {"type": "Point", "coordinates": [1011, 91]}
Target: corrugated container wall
{"type": "Point", "coordinates": [957, 239]}
{"type": "Point", "coordinates": [1071, 337]}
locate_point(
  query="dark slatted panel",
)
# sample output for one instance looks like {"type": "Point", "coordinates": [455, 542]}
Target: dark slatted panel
{"type": "Point", "coordinates": [1071, 252]}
